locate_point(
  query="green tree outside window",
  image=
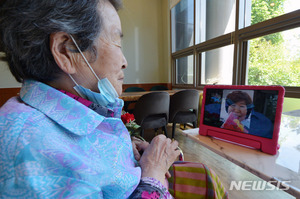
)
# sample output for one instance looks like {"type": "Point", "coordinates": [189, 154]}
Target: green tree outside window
{"type": "Point", "coordinates": [271, 60]}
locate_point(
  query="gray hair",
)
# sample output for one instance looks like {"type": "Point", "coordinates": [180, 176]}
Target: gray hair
{"type": "Point", "coordinates": [26, 25]}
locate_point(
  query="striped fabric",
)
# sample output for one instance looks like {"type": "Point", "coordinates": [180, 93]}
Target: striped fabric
{"type": "Point", "coordinates": [195, 180]}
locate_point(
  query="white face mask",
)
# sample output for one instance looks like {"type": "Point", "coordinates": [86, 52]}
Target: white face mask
{"type": "Point", "coordinates": [107, 95]}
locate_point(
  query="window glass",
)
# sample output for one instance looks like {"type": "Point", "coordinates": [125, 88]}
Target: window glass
{"type": "Point", "coordinates": [262, 10]}
{"type": "Point", "coordinates": [275, 59]}
{"type": "Point", "coordinates": [182, 23]}
{"type": "Point", "coordinates": [214, 18]}
{"type": "Point", "coordinates": [185, 70]}
{"type": "Point", "coordinates": [217, 66]}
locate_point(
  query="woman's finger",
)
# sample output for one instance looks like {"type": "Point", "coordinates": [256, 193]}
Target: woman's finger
{"type": "Point", "coordinates": [136, 153]}
{"type": "Point", "coordinates": [168, 175]}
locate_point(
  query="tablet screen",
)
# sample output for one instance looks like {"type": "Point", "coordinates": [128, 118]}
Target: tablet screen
{"type": "Point", "coordinates": [244, 111]}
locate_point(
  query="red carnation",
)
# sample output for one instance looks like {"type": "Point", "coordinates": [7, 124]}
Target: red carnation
{"type": "Point", "coordinates": [127, 117]}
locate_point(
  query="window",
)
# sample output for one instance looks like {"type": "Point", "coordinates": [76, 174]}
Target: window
{"type": "Point", "coordinates": [182, 25]}
{"type": "Point", "coordinates": [214, 18]}
{"type": "Point", "coordinates": [262, 10]}
{"type": "Point", "coordinates": [185, 70]}
{"type": "Point", "coordinates": [243, 42]}
{"type": "Point", "coordinates": [274, 59]}
{"type": "Point", "coordinates": [217, 66]}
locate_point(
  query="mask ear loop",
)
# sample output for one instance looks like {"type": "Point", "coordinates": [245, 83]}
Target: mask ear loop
{"type": "Point", "coordinates": [84, 57]}
{"type": "Point", "coordinates": [73, 80]}
{"type": "Point", "coordinates": [76, 87]}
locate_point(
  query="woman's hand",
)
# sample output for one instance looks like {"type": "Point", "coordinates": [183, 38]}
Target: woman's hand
{"type": "Point", "coordinates": [158, 157]}
{"type": "Point", "coordinates": [138, 146]}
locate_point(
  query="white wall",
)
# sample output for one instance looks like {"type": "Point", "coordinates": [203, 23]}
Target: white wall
{"type": "Point", "coordinates": [6, 78]}
{"type": "Point", "coordinates": [146, 30]}
{"type": "Point", "coordinates": [145, 25]}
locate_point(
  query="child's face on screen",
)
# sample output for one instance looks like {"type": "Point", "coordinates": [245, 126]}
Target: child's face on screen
{"type": "Point", "coordinates": [239, 109]}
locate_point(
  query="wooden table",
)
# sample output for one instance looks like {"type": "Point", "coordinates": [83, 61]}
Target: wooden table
{"type": "Point", "coordinates": [225, 169]}
{"type": "Point", "coordinates": [282, 167]}
{"type": "Point", "coordinates": [134, 96]}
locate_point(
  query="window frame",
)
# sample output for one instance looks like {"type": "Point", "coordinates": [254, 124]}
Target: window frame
{"type": "Point", "coordinates": [239, 38]}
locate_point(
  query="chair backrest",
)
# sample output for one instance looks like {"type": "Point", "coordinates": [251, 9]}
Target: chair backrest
{"type": "Point", "coordinates": [154, 103]}
{"type": "Point", "coordinates": [158, 88]}
{"type": "Point", "coordinates": [184, 100]}
{"type": "Point", "coordinates": [134, 89]}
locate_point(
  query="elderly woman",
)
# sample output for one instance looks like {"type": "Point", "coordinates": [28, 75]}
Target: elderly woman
{"type": "Point", "coordinates": [238, 105]}
{"type": "Point", "coordinates": [63, 137]}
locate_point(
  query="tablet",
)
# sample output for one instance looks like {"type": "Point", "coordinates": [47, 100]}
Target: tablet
{"type": "Point", "coordinates": [244, 115]}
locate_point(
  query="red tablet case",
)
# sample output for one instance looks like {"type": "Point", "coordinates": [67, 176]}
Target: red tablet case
{"type": "Point", "coordinates": [266, 145]}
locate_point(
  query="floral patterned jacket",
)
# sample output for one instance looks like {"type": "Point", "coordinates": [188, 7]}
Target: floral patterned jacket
{"type": "Point", "coordinates": [52, 146]}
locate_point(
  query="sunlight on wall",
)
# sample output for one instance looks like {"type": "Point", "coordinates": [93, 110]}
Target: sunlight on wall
{"type": "Point", "coordinates": [146, 43]}
{"type": "Point", "coordinates": [137, 54]}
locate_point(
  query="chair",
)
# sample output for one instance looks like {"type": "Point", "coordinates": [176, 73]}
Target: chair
{"type": "Point", "coordinates": [151, 111]}
{"type": "Point", "coordinates": [158, 88]}
{"type": "Point", "coordinates": [184, 108]}
{"type": "Point", "coordinates": [127, 103]}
